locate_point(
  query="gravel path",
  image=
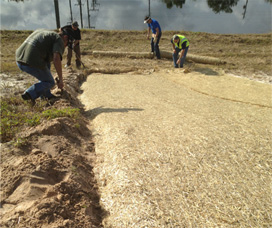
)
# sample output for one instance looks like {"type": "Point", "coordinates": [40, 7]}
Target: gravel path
{"type": "Point", "coordinates": [174, 153]}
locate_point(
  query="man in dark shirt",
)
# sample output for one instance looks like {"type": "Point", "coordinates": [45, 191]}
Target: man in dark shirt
{"type": "Point", "coordinates": [34, 57]}
{"type": "Point", "coordinates": [74, 31]}
{"type": "Point", "coordinates": [180, 43]}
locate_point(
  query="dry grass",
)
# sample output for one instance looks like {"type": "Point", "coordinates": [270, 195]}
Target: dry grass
{"type": "Point", "coordinates": [187, 160]}
{"type": "Point", "coordinates": [189, 188]}
{"type": "Point", "coordinates": [245, 54]}
{"type": "Point", "coordinates": [211, 181]}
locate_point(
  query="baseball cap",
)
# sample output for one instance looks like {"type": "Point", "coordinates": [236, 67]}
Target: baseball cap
{"type": "Point", "coordinates": [147, 18]}
{"type": "Point", "coordinates": [75, 24]}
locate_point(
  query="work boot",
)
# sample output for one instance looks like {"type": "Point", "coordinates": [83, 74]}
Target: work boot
{"type": "Point", "coordinates": [48, 98]}
{"type": "Point", "coordinates": [26, 96]}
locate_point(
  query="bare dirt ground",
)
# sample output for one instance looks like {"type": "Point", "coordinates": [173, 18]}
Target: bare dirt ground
{"type": "Point", "coordinates": [154, 147]}
{"type": "Point", "coordinates": [49, 180]}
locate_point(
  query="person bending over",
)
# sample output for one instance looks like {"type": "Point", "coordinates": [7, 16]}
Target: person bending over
{"type": "Point", "coordinates": [180, 48]}
{"type": "Point", "coordinates": [34, 57]}
{"type": "Point", "coordinates": [155, 27]}
{"type": "Point", "coordinates": [75, 33]}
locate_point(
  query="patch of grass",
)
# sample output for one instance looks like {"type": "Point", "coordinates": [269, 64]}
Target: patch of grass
{"type": "Point", "coordinates": [17, 114]}
{"type": "Point", "coordinates": [10, 67]}
{"type": "Point", "coordinates": [66, 112]}
{"type": "Point", "coordinates": [19, 142]}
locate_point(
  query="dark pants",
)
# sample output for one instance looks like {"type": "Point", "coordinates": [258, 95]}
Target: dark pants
{"type": "Point", "coordinates": [46, 81]}
{"type": "Point", "coordinates": [175, 57]}
{"type": "Point", "coordinates": [70, 53]}
{"type": "Point", "coordinates": [155, 46]}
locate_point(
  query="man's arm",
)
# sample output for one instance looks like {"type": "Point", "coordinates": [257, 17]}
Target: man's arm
{"type": "Point", "coordinates": [157, 32]}
{"type": "Point", "coordinates": [77, 36]}
{"type": "Point", "coordinates": [180, 56]}
{"type": "Point", "coordinates": [182, 53]}
{"type": "Point", "coordinates": [76, 42]}
{"type": "Point", "coordinates": [148, 32]}
{"type": "Point", "coordinates": [174, 48]}
{"type": "Point", "coordinates": [58, 67]}
{"type": "Point", "coordinates": [156, 35]}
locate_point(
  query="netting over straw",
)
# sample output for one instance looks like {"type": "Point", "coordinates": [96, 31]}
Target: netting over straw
{"type": "Point", "coordinates": [186, 160]}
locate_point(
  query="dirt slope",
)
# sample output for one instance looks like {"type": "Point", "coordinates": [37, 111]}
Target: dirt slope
{"type": "Point", "coordinates": [49, 180]}
{"type": "Point", "coordinates": [176, 153]}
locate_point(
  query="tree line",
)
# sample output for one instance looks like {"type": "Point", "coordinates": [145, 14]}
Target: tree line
{"type": "Point", "coordinates": [216, 5]}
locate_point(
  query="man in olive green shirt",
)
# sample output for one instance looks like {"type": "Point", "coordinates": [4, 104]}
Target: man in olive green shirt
{"type": "Point", "coordinates": [34, 57]}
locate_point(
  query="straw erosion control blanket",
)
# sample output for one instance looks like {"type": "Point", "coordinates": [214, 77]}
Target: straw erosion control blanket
{"type": "Point", "coordinates": [181, 150]}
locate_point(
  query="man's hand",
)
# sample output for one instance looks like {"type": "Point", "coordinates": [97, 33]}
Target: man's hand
{"type": "Point", "coordinates": [174, 48]}
{"type": "Point", "coordinates": [76, 42]}
{"type": "Point", "coordinates": [155, 39]}
{"type": "Point", "coordinates": [180, 56]}
{"type": "Point", "coordinates": [58, 67]}
{"type": "Point", "coordinates": [60, 84]}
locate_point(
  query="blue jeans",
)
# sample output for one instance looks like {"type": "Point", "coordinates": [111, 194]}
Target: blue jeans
{"type": "Point", "coordinates": [175, 57]}
{"type": "Point", "coordinates": [155, 46]}
{"type": "Point", "coordinates": [46, 81]}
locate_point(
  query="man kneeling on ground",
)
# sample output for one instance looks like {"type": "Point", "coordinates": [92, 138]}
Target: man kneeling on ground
{"type": "Point", "coordinates": [34, 57]}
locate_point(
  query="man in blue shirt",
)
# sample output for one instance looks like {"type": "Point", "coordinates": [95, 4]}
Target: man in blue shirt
{"type": "Point", "coordinates": [156, 34]}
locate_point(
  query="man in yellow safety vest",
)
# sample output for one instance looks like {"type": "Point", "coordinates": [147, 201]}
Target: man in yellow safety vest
{"type": "Point", "coordinates": [180, 48]}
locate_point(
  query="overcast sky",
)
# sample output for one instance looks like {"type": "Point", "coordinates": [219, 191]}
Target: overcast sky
{"type": "Point", "coordinates": [129, 15]}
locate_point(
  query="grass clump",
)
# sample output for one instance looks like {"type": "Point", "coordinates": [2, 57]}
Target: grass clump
{"type": "Point", "coordinates": [17, 114]}
{"type": "Point", "coordinates": [9, 67]}
{"type": "Point", "coordinates": [66, 112]}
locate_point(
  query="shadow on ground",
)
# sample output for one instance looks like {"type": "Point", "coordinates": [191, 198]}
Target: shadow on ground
{"type": "Point", "coordinates": [207, 71]}
{"type": "Point", "coordinates": [93, 113]}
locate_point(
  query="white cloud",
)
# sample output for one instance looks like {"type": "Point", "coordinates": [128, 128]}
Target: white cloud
{"type": "Point", "coordinates": [201, 6]}
{"type": "Point", "coordinates": [129, 15]}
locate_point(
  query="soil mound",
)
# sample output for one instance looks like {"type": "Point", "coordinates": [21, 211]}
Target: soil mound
{"type": "Point", "coordinates": [49, 182]}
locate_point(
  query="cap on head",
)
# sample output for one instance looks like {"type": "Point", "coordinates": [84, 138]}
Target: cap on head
{"type": "Point", "coordinates": [75, 24]}
{"type": "Point", "coordinates": [147, 18]}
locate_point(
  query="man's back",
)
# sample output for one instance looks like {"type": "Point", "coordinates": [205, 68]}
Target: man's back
{"type": "Point", "coordinates": [37, 50]}
{"type": "Point", "coordinates": [153, 25]}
